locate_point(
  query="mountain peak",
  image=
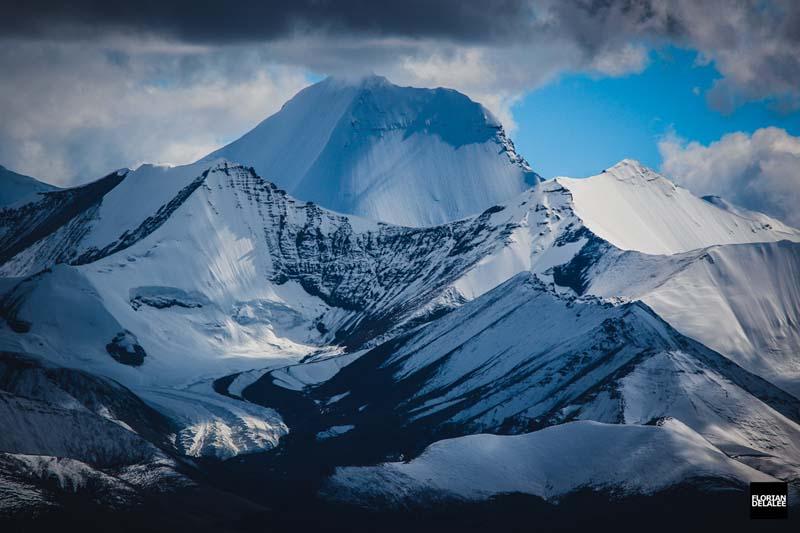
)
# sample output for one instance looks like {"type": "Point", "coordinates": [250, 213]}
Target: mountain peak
{"type": "Point", "coordinates": [628, 162]}
{"type": "Point", "coordinates": [403, 155]}
{"type": "Point", "coordinates": [636, 208]}
{"type": "Point", "coordinates": [632, 169]}
{"type": "Point", "coordinates": [364, 81]}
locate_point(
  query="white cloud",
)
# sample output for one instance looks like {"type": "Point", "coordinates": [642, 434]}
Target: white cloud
{"type": "Point", "coordinates": [74, 111]}
{"type": "Point", "coordinates": [759, 171]}
{"type": "Point", "coordinates": [630, 58]}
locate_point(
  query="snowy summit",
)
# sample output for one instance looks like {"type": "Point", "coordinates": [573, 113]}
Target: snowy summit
{"type": "Point", "coordinates": [403, 155]}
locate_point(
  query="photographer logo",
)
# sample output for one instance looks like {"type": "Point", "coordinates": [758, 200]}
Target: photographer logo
{"type": "Point", "coordinates": [769, 500]}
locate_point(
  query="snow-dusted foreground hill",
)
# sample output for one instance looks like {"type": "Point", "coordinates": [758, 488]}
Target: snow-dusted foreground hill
{"type": "Point", "coordinates": [69, 431]}
{"type": "Point", "coordinates": [241, 319]}
{"type": "Point", "coordinates": [547, 463]}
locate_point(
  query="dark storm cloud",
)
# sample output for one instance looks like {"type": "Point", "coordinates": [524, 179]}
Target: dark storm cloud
{"type": "Point", "coordinates": [755, 44]}
{"type": "Point", "coordinates": [219, 21]}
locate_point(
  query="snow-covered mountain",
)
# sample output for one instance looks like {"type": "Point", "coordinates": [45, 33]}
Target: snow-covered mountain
{"type": "Point", "coordinates": [635, 208]}
{"type": "Point", "coordinates": [267, 280]}
{"type": "Point", "coordinates": [183, 316]}
{"type": "Point", "coordinates": [403, 155]}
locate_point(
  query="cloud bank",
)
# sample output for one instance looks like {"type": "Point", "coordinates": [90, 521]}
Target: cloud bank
{"type": "Point", "coordinates": [759, 171]}
{"type": "Point", "coordinates": [74, 111]}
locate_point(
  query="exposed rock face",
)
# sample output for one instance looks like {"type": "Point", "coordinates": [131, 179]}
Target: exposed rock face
{"type": "Point", "coordinates": [125, 348]}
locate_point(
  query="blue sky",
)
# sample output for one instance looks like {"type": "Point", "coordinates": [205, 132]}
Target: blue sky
{"type": "Point", "coordinates": [581, 124]}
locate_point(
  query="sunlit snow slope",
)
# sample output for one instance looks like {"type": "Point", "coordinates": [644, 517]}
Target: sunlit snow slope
{"type": "Point", "coordinates": [742, 300]}
{"type": "Point", "coordinates": [634, 208]}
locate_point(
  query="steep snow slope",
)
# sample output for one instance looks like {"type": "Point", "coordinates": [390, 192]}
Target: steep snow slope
{"type": "Point", "coordinates": [143, 195]}
{"type": "Point", "coordinates": [414, 157]}
{"type": "Point", "coordinates": [86, 223]}
{"type": "Point", "coordinates": [548, 463]}
{"type": "Point", "coordinates": [17, 189]}
{"type": "Point", "coordinates": [742, 300]}
{"type": "Point", "coordinates": [634, 208]}
{"type": "Point", "coordinates": [712, 397]}
{"type": "Point", "coordinates": [760, 218]}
